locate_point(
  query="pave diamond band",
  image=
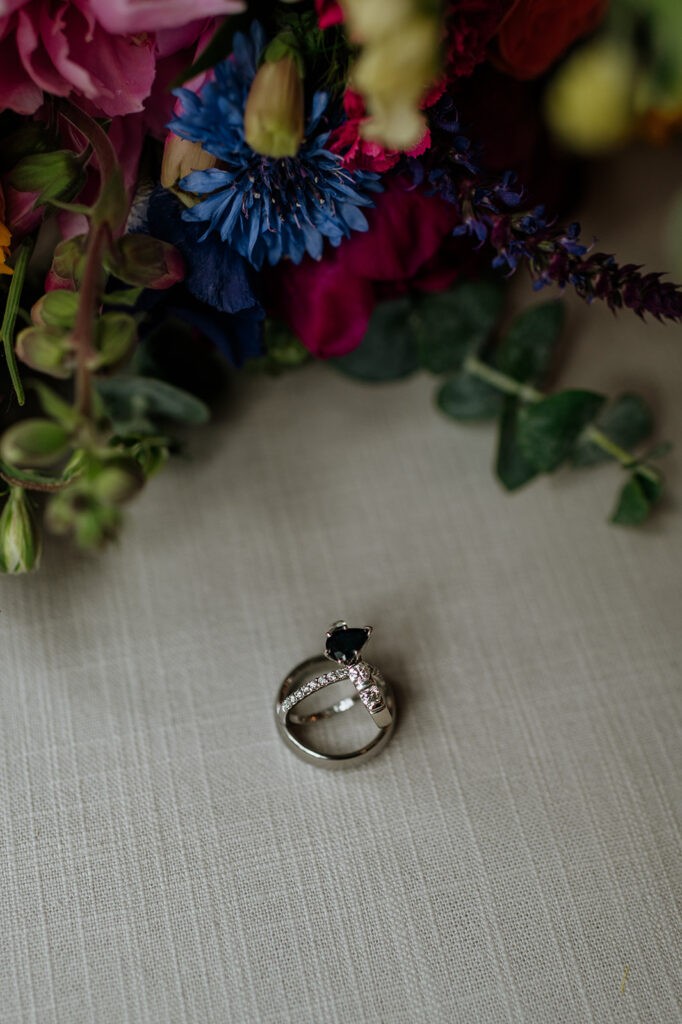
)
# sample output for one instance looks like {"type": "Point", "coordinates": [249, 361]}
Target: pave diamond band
{"type": "Point", "coordinates": [367, 681]}
{"type": "Point", "coordinates": [369, 690]}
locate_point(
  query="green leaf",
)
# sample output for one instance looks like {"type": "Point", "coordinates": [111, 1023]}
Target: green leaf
{"type": "Point", "coordinates": [388, 351]}
{"type": "Point", "coordinates": [547, 430]}
{"type": "Point", "coordinates": [451, 325]}
{"type": "Point", "coordinates": [530, 342]}
{"type": "Point", "coordinates": [122, 297]}
{"type": "Point", "coordinates": [132, 400]}
{"type": "Point", "coordinates": [626, 421]}
{"type": "Point", "coordinates": [637, 498]}
{"type": "Point", "coordinates": [54, 406]}
{"type": "Point", "coordinates": [34, 442]}
{"type": "Point", "coordinates": [512, 468]}
{"type": "Point", "coordinates": [464, 397]}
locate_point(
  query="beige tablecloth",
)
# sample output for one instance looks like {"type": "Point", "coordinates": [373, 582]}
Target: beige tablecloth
{"type": "Point", "coordinates": [514, 851]}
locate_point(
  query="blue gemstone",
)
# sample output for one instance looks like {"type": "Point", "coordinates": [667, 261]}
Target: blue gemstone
{"type": "Point", "coordinates": [344, 645]}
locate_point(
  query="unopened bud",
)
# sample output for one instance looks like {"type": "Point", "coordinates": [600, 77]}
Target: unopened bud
{"type": "Point", "coordinates": [146, 262]}
{"type": "Point", "coordinates": [48, 350]}
{"type": "Point", "coordinates": [119, 479]}
{"type": "Point", "coordinates": [273, 116]}
{"type": "Point", "coordinates": [181, 157]}
{"type": "Point", "coordinates": [56, 175]}
{"type": "Point", "coordinates": [34, 442]}
{"type": "Point", "coordinates": [57, 308]}
{"type": "Point", "coordinates": [20, 540]}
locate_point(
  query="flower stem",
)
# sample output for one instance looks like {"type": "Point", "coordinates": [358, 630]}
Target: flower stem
{"type": "Point", "coordinates": [10, 316]}
{"type": "Point", "coordinates": [85, 319]}
{"type": "Point", "coordinates": [499, 380]}
{"type": "Point", "coordinates": [510, 386]}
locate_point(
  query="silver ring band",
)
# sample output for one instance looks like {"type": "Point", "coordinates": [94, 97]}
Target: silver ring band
{"type": "Point", "coordinates": [306, 679]}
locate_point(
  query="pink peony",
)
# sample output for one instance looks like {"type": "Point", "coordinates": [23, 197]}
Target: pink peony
{"type": "Point", "coordinates": [328, 303]}
{"type": "Point", "coordinates": [101, 52]}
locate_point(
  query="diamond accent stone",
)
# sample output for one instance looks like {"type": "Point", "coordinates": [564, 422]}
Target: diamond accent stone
{"type": "Point", "coordinates": [360, 675]}
{"type": "Point", "coordinates": [372, 698]}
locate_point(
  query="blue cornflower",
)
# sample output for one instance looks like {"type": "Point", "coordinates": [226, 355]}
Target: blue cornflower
{"type": "Point", "coordinates": [266, 207]}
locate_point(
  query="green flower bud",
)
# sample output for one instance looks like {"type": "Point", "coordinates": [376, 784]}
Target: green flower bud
{"type": "Point", "coordinates": [119, 479]}
{"type": "Point", "coordinates": [77, 510]}
{"type": "Point", "coordinates": [56, 175]}
{"type": "Point", "coordinates": [47, 349]}
{"type": "Point", "coordinates": [57, 308]}
{"type": "Point", "coordinates": [273, 116]}
{"type": "Point", "coordinates": [34, 442]}
{"type": "Point", "coordinates": [146, 262]}
{"type": "Point", "coordinates": [20, 540]}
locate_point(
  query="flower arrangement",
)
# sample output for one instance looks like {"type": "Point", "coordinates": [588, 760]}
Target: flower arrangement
{"type": "Point", "coordinates": [260, 186]}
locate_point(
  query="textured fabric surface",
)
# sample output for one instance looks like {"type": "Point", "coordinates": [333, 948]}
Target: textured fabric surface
{"type": "Point", "coordinates": [163, 857]}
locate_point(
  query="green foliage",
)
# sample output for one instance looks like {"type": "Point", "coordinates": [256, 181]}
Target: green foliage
{"type": "Point", "coordinates": [547, 430]}
{"type": "Point", "coordinates": [451, 325]}
{"type": "Point", "coordinates": [512, 467]}
{"type": "Point", "coordinates": [435, 332]}
{"type": "Point", "coordinates": [529, 345]}
{"type": "Point", "coordinates": [464, 397]}
{"type": "Point", "coordinates": [638, 496]}
{"type": "Point", "coordinates": [133, 404]}
{"type": "Point", "coordinates": [388, 350]}
{"type": "Point", "coordinates": [627, 421]}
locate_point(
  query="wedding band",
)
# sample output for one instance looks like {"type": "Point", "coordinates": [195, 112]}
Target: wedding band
{"type": "Point", "coordinates": [370, 689]}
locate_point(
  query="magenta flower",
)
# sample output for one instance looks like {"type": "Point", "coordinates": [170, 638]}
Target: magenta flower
{"type": "Point", "coordinates": [328, 302]}
{"type": "Point", "coordinates": [103, 53]}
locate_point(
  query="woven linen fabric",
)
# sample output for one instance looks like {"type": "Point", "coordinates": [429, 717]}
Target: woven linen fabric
{"type": "Point", "coordinates": [513, 855]}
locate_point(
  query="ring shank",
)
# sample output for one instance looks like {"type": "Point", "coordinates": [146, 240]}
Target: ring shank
{"type": "Point", "coordinates": [296, 678]}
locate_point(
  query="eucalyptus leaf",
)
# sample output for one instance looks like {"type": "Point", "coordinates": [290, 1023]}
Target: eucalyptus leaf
{"type": "Point", "coordinates": [637, 498]}
{"type": "Point", "coordinates": [547, 430]}
{"type": "Point", "coordinates": [451, 325]}
{"type": "Point", "coordinates": [627, 421]}
{"type": "Point", "coordinates": [512, 468]}
{"type": "Point", "coordinates": [530, 342]}
{"type": "Point", "coordinates": [388, 351]}
{"type": "Point", "coordinates": [465, 397]}
{"type": "Point", "coordinates": [137, 400]}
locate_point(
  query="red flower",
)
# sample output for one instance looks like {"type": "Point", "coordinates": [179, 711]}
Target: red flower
{"type": "Point", "coordinates": [536, 32]}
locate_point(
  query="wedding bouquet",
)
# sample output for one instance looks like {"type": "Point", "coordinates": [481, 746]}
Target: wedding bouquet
{"type": "Point", "coordinates": [192, 187]}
